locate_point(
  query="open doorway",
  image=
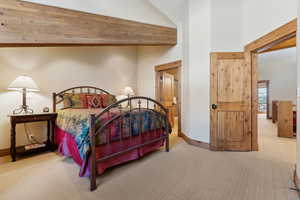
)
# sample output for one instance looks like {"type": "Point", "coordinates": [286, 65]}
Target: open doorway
{"type": "Point", "coordinates": [281, 38]}
{"type": "Point", "coordinates": [168, 93]}
{"type": "Point", "coordinates": [234, 82]}
{"type": "Point", "coordinates": [263, 94]}
{"type": "Point", "coordinates": [276, 92]}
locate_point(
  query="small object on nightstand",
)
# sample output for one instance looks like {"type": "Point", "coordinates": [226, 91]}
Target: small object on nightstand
{"type": "Point", "coordinates": [46, 110]}
{"type": "Point", "coordinates": [34, 146]}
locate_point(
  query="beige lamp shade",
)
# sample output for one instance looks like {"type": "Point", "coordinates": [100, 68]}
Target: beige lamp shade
{"type": "Point", "coordinates": [22, 82]}
{"type": "Point", "coordinates": [128, 91]}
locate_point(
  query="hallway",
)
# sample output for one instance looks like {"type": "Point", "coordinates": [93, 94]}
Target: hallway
{"type": "Point", "coordinates": [279, 149]}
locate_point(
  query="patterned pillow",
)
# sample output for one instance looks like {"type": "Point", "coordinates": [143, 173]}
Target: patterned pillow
{"type": "Point", "coordinates": [108, 99]}
{"type": "Point", "coordinates": [94, 101]}
{"type": "Point", "coordinates": [75, 100]}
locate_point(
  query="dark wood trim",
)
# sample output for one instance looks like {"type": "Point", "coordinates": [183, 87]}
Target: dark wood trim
{"type": "Point", "coordinates": [262, 44]}
{"type": "Point", "coordinates": [274, 111]}
{"type": "Point", "coordinates": [25, 24]}
{"type": "Point", "coordinates": [196, 143]}
{"type": "Point", "coordinates": [167, 66]}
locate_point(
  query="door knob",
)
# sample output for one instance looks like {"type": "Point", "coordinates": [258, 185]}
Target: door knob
{"type": "Point", "coordinates": [214, 106]}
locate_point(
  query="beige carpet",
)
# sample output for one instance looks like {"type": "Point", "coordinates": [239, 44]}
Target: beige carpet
{"type": "Point", "coordinates": [186, 173]}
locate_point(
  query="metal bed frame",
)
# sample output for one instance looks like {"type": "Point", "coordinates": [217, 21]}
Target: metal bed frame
{"type": "Point", "coordinates": [142, 103]}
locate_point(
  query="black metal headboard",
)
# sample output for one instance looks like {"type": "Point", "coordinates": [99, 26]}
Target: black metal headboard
{"type": "Point", "coordinates": [59, 97]}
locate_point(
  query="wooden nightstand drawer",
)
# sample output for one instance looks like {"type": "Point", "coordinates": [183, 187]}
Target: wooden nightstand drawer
{"type": "Point", "coordinates": [32, 117]}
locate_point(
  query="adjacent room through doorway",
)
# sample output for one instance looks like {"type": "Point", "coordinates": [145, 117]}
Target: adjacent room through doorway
{"type": "Point", "coordinates": [168, 93]}
{"type": "Point", "coordinates": [277, 97]}
{"type": "Point", "coordinates": [234, 91]}
{"type": "Point", "coordinates": [263, 97]}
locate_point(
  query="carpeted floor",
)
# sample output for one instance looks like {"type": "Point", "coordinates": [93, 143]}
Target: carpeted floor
{"type": "Point", "coordinates": [186, 173]}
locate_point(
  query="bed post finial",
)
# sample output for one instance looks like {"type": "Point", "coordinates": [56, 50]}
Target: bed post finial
{"type": "Point", "coordinates": [167, 131]}
{"type": "Point", "coordinates": [54, 102]}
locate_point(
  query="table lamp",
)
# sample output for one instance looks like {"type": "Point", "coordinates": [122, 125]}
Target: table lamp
{"type": "Point", "coordinates": [24, 84]}
{"type": "Point", "coordinates": [128, 91]}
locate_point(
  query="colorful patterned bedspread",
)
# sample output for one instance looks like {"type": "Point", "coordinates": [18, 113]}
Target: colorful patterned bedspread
{"type": "Point", "coordinates": [76, 122]}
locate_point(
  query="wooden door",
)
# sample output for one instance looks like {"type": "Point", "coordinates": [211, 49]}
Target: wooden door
{"type": "Point", "coordinates": [167, 93]}
{"type": "Point", "coordinates": [230, 102]}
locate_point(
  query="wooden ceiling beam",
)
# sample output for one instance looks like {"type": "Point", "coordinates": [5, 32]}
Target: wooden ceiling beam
{"type": "Point", "coordinates": [29, 24]}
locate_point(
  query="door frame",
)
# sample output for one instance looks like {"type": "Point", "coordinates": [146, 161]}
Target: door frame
{"type": "Point", "coordinates": [267, 82]}
{"type": "Point", "coordinates": [251, 50]}
{"type": "Point", "coordinates": [159, 68]}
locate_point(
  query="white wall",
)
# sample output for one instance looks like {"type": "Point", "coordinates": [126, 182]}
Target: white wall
{"type": "Point", "coordinates": [206, 26]}
{"type": "Point", "coordinates": [280, 68]}
{"type": "Point", "coordinates": [136, 10]}
{"type": "Point", "coordinates": [195, 45]}
{"type": "Point", "coordinates": [236, 23]}
{"type": "Point", "coordinates": [148, 57]}
{"type": "Point", "coordinates": [226, 25]}
{"type": "Point", "coordinates": [175, 11]}
{"type": "Point", "coordinates": [199, 65]}
{"type": "Point", "coordinates": [214, 26]}
{"type": "Point", "coordinates": [209, 25]}
{"type": "Point", "coordinates": [263, 16]}
{"type": "Point", "coordinates": [56, 69]}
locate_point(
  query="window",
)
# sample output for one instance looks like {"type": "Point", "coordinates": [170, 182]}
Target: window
{"type": "Point", "coordinates": [262, 100]}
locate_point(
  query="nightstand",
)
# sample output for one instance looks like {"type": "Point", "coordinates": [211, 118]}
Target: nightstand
{"type": "Point", "coordinates": [29, 118]}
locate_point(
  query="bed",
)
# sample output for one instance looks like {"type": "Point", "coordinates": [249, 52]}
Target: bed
{"type": "Point", "coordinates": [99, 132]}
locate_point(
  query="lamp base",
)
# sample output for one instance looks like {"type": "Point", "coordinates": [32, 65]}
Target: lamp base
{"type": "Point", "coordinates": [22, 110]}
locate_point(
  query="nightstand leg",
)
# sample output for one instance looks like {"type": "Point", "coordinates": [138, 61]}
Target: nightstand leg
{"type": "Point", "coordinates": [48, 134]}
{"type": "Point", "coordinates": [53, 147]}
{"type": "Point", "coordinates": [13, 142]}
